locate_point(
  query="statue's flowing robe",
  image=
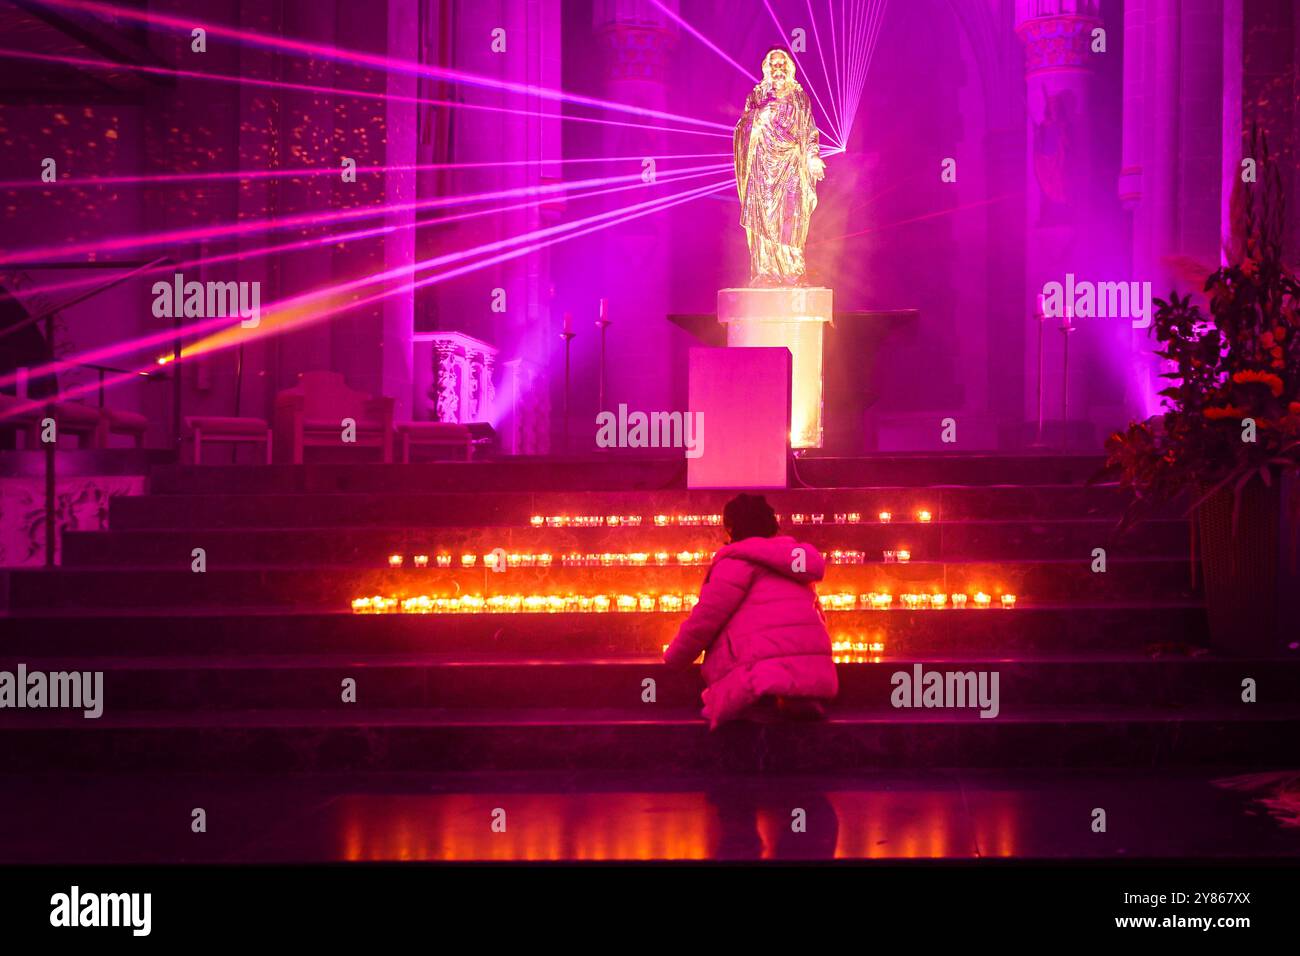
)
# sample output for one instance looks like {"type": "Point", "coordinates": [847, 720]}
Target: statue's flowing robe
{"type": "Point", "coordinates": [772, 143]}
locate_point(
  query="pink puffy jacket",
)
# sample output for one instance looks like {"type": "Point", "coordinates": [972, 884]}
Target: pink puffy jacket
{"type": "Point", "coordinates": [759, 620]}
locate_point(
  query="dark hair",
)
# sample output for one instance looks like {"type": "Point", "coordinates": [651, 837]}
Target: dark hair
{"type": "Point", "coordinates": [749, 516]}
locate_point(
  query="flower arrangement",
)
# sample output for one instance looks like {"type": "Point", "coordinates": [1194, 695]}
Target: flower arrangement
{"type": "Point", "coordinates": [1233, 402]}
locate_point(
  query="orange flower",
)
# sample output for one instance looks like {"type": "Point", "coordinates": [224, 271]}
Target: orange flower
{"type": "Point", "coordinates": [1249, 376]}
{"type": "Point", "coordinates": [1226, 411]}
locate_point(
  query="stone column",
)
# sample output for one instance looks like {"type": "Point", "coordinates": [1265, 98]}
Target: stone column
{"type": "Point", "coordinates": [527, 427]}
{"type": "Point", "coordinates": [1005, 346]}
{"type": "Point", "coordinates": [1183, 97]}
{"type": "Point", "coordinates": [304, 120]}
{"type": "Point", "coordinates": [528, 54]}
{"type": "Point", "coordinates": [1060, 180]}
{"type": "Point", "coordinates": [1233, 126]}
{"type": "Point", "coordinates": [373, 346]}
{"type": "Point", "coordinates": [397, 356]}
{"type": "Point", "coordinates": [1270, 88]}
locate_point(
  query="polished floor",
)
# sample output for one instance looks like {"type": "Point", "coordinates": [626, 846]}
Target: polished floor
{"type": "Point", "coordinates": [959, 814]}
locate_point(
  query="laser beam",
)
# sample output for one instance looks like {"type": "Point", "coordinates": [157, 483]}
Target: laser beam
{"type": "Point", "coordinates": [337, 91]}
{"type": "Point", "coordinates": [382, 63]}
{"type": "Point", "coordinates": [302, 300]}
{"type": "Point", "coordinates": [310, 171]}
{"type": "Point", "coordinates": [241, 255]}
{"type": "Point", "coordinates": [832, 131]}
{"type": "Point", "coordinates": [572, 230]}
{"type": "Point", "coordinates": [747, 74]}
{"type": "Point", "coordinates": [218, 343]}
{"type": "Point", "coordinates": [308, 219]}
{"type": "Point", "coordinates": [830, 86]}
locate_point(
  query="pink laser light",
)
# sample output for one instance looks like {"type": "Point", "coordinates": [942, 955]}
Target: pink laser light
{"type": "Point", "coordinates": [830, 86]}
{"type": "Point", "coordinates": [337, 91]}
{"type": "Point", "coordinates": [832, 132]}
{"type": "Point", "coordinates": [309, 219]}
{"type": "Point", "coordinates": [165, 337]}
{"type": "Point", "coordinates": [308, 171]}
{"type": "Point", "coordinates": [668, 176]}
{"type": "Point", "coordinates": [384, 64]}
{"type": "Point", "coordinates": [747, 74]}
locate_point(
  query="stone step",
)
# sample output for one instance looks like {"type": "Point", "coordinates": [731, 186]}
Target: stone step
{"type": "Point", "coordinates": [454, 683]}
{"type": "Point", "coordinates": [1028, 631]}
{"type": "Point", "coordinates": [370, 547]}
{"type": "Point", "coordinates": [1033, 582]}
{"type": "Point", "coordinates": [606, 473]}
{"type": "Point", "coordinates": [340, 740]}
{"type": "Point", "coordinates": [432, 508]}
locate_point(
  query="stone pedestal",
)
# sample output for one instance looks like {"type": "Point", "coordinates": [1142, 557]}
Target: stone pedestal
{"type": "Point", "coordinates": [796, 319]}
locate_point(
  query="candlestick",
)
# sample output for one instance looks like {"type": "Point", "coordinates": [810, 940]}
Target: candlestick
{"type": "Point", "coordinates": [567, 335]}
{"type": "Point", "coordinates": [602, 323]}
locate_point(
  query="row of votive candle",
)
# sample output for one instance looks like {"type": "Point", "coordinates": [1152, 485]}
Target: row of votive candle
{"type": "Point", "coordinates": [668, 603]}
{"type": "Point", "coordinates": [585, 521]}
{"type": "Point", "coordinates": [846, 651]}
{"type": "Point", "coordinates": [696, 521]}
{"type": "Point", "coordinates": [849, 651]}
{"type": "Point", "coordinates": [853, 517]}
{"type": "Point", "coordinates": [525, 604]}
{"type": "Point", "coordinates": [879, 601]}
{"type": "Point", "coordinates": [622, 521]}
{"type": "Point", "coordinates": [606, 559]}
{"type": "Point", "coordinates": [490, 560]}
{"type": "Point", "coordinates": [635, 559]}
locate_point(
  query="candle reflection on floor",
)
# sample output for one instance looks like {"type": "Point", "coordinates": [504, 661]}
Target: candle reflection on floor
{"type": "Point", "coordinates": [736, 820]}
{"type": "Point", "coordinates": [591, 826]}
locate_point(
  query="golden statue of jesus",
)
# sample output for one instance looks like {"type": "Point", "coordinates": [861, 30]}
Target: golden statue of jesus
{"type": "Point", "coordinates": [778, 164]}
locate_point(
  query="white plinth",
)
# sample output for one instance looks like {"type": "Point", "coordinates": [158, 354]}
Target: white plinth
{"type": "Point", "coordinates": [794, 318]}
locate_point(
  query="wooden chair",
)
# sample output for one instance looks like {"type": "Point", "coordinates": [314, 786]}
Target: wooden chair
{"type": "Point", "coordinates": [311, 415]}
{"type": "Point", "coordinates": [217, 429]}
{"type": "Point", "coordinates": [119, 422]}
{"type": "Point", "coordinates": [13, 420]}
{"type": "Point", "coordinates": [82, 422]}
